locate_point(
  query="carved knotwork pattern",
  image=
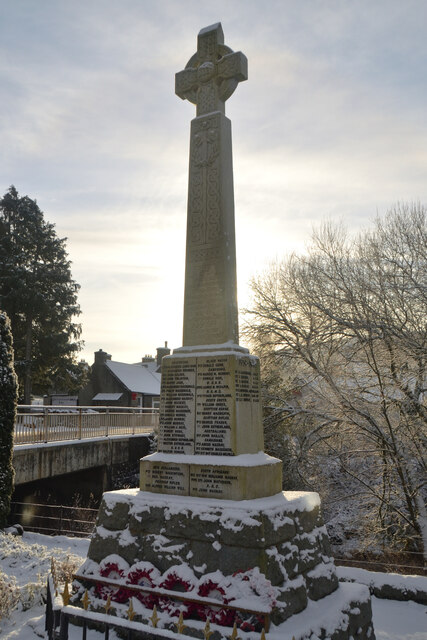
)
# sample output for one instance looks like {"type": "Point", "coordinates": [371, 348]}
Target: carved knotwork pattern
{"type": "Point", "coordinates": [204, 253]}
{"type": "Point", "coordinates": [204, 194]}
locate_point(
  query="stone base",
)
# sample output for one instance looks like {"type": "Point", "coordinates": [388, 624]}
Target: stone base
{"type": "Point", "coordinates": [277, 547]}
{"type": "Point", "coordinates": [241, 477]}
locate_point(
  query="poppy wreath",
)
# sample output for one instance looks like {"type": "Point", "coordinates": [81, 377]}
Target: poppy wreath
{"type": "Point", "coordinates": [143, 578]}
{"type": "Point", "coordinates": [219, 615]}
{"type": "Point", "coordinates": [117, 594]}
{"type": "Point", "coordinates": [174, 582]}
{"type": "Point", "coordinates": [252, 623]}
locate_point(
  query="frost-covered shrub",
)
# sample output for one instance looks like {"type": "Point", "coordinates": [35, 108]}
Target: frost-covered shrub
{"type": "Point", "coordinates": [8, 400]}
{"type": "Point", "coordinates": [65, 568]}
{"type": "Point", "coordinates": [31, 594]}
{"type": "Point", "coordinates": [9, 595]}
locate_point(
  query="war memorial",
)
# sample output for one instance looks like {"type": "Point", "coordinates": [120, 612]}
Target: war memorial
{"type": "Point", "coordinates": [210, 545]}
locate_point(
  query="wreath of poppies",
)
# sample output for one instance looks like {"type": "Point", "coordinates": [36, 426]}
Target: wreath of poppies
{"type": "Point", "coordinates": [252, 622]}
{"type": "Point", "coordinates": [174, 582]}
{"type": "Point", "coordinates": [219, 615]}
{"type": "Point", "coordinates": [117, 594]}
{"type": "Point", "coordinates": [143, 578]}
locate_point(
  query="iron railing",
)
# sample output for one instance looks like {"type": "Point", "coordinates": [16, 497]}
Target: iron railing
{"type": "Point", "coordinates": [53, 423]}
{"type": "Point", "coordinates": [54, 519]}
{"type": "Point", "coordinates": [59, 612]}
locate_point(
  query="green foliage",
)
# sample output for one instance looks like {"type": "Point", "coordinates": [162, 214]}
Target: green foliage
{"type": "Point", "coordinates": [8, 399]}
{"type": "Point", "coordinates": [40, 297]}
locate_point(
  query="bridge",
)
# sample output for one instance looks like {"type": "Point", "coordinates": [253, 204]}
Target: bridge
{"type": "Point", "coordinates": [50, 442]}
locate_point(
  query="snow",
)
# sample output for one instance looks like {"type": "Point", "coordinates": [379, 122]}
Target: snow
{"type": "Point", "coordinates": [234, 513]}
{"type": "Point", "coordinates": [225, 349]}
{"type": "Point", "coordinates": [399, 620]}
{"type": "Point", "coordinates": [28, 560]}
{"type": "Point", "coordinates": [242, 460]}
{"type": "Point", "coordinates": [407, 585]}
{"type": "Point", "coordinates": [135, 377]}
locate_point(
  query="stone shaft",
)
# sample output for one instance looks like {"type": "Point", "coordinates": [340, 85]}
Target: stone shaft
{"type": "Point", "coordinates": [210, 300]}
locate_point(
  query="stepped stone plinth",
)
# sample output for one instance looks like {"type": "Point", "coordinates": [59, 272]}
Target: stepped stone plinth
{"type": "Point", "coordinates": [209, 532]}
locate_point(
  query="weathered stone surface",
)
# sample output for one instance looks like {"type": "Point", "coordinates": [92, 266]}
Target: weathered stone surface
{"type": "Point", "coordinates": [163, 552]}
{"type": "Point", "coordinates": [293, 599]}
{"type": "Point", "coordinates": [103, 545]}
{"type": "Point", "coordinates": [116, 518]}
{"type": "Point", "coordinates": [278, 529]}
{"type": "Point", "coordinates": [321, 581]}
{"type": "Point", "coordinates": [306, 521]}
{"type": "Point", "coordinates": [289, 558]}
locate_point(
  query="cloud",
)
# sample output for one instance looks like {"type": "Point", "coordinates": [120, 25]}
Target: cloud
{"type": "Point", "coordinates": [330, 123]}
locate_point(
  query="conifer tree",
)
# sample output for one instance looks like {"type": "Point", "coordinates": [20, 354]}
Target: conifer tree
{"type": "Point", "coordinates": [39, 296]}
{"type": "Point", "coordinates": [8, 399]}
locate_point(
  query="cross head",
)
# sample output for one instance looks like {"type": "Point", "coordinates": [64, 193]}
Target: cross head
{"type": "Point", "coordinates": [212, 73]}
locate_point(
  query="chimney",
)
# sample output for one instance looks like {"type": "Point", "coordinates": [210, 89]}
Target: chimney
{"type": "Point", "coordinates": [162, 351]}
{"type": "Point", "coordinates": [101, 357]}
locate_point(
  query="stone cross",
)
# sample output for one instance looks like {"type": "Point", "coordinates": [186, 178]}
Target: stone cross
{"type": "Point", "coordinates": [210, 299]}
{"type": "Point", "coordinates": [212, 74]}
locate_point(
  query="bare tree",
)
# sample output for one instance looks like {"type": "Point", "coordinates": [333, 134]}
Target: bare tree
{"type": "Point", "coordinates": [343, 335]}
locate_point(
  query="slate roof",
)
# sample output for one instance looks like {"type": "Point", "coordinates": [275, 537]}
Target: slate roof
{"type": "Point", "coordinates": [138, 378]}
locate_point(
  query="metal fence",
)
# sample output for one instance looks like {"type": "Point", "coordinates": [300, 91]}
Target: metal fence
{"type": "Point", "coordinates": [54, 519]}
{"type": "Point", "coordinates": [53, 423]}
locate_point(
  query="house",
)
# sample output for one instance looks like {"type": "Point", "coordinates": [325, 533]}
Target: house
{"type": "Point", "coordinates": [118, 384]}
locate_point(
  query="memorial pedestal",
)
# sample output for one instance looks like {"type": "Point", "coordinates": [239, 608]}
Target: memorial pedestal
{"type": "Point", "coordinates": [272, 551]}
{"type": "Point", "coordinates": [210, 435]}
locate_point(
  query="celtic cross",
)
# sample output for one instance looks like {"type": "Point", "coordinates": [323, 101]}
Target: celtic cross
{"type": "Point", "coordinates": [212, 73]}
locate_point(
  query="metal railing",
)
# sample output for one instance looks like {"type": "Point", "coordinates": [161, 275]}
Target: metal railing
{"type": "Point", "coordinates": [54, 519]}
{"type": "Point", "coordinates": [52, 423]}
{"type": "Point", "coordinates": [117, 611]}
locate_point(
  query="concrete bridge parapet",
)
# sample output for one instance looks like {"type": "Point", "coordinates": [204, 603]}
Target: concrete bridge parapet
{"type": "Point", "coordinates": [46, 460]}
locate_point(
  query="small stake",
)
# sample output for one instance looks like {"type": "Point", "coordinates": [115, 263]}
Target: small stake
{"type": "Point", "coordinates": [108, 604]}
{"type": "Point", "coordinates": [207, 630]}
{"type": "Point", "coordinates": [180, 626]}
{"type": "Point", "coordinates": [154, 618]}
{"type": "Point", "coordinates": [66, 595]}
{"type": "Point", "coordinates": [131, 611]}
{"type": "Point", "coordinates": [234, 635]}
{"type": "Point", "coordinates": [263, 635]}
{"type": "Point", "coordinates": [86, 601]}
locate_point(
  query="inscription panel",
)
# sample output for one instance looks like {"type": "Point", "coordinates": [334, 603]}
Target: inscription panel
{"type": "Point", "coordinates": [215, 417]}
{"type": "Point", "coordinates": [249, 434]}
{"type": "Point", "coordinates": [177, 405]}
{"type": "Point", "coordinates": [164, 478]}
{"type": "Point", "coordinates": [213, 482]}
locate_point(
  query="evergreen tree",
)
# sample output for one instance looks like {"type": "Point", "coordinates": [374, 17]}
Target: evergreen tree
{"type": "Point", "coordinates": [39, 295]}
{"type": "Point", "coordinates": [8, 398]}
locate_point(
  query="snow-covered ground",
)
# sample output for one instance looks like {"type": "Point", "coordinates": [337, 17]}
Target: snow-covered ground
{"type": "Point", "coordinates": [26, 562]}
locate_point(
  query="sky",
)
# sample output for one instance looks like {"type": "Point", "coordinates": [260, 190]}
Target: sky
{"type": "Point", "coordinates": [331, 125]}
